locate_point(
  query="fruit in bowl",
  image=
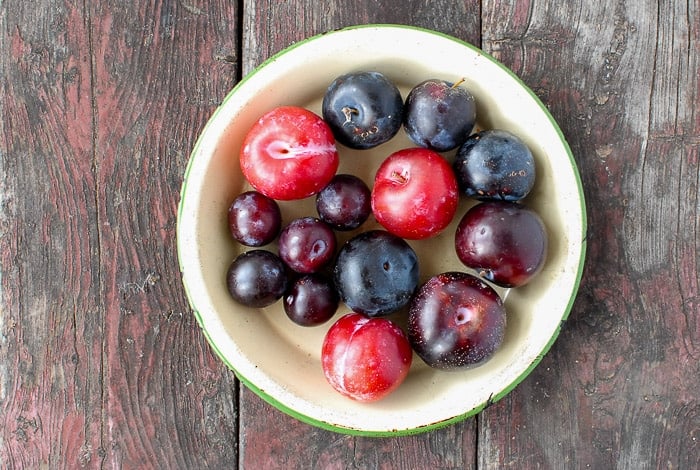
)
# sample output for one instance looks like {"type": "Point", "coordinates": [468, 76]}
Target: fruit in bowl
{"type": "Point", "coordinates": [365, 358]}
{"type": "Point", "coordinates": [289, 153]}
{"type": "Point", "coordinates": [415, 193]}
{"type": "Point", "coordinates": [364, 109]}
{"type": "Point", "coordinates": [280, 360]}
{"type": "Point", "coordinates": [440, 115]}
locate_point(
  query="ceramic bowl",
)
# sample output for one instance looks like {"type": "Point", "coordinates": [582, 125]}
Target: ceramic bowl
{"type": "Point", "coordinates": [279, 360]}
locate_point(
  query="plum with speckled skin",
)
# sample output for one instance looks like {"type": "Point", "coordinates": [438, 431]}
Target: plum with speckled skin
{"type": "Point", "coordinates": [495, 165]}
{"type": "Point", "coordinates": [456, 321]}
{"type": "Point", "coordinates": [364, 109]}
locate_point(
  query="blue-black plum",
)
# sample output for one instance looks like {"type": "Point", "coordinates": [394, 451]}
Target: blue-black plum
{"type": "Point", "coordinates": [495, 165]}
{"type": "Point", "coordinates": [439, 115]}
{"type": "Point", "coordinates": [376, 273]}
{"type": "Point", "coordinates": [363, 109]}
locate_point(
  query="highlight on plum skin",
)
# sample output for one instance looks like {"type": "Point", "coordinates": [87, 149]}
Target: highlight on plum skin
{"type": "Point", "coordinates": [365, 359]}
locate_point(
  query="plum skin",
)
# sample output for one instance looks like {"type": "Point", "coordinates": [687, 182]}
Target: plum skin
{"type": "Point", "coordinates": [344, 203]}
{"type": "Point", "coordinates": [376, 273]}
{"type": "Point", "coordinates": [505, 242]}
{"type": "Point", "coordinates": [415, 193]}
{"type": "Point", "coordinates": [289, 154]}
{"type": "Point", "coordinates": [365, 359]}
{"type": "Point", "coordinates": [364, 109]}
{"type": "Point", "coordinates": [256, 278]}
{"type": "Point", "coordinates": [456, 321]}
{"type": "Point", "coordinates": [254, 219]}
{"type": "Point", "coordinates": [495, 164]}
{"type": "Point", "coordinates": [311, 300]}
{"type": "Point", "coordinates": [439, 115]}
{"type": "Point", "coordinates": [306, 244]}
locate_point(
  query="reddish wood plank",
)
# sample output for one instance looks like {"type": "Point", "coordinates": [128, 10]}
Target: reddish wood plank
{"type": "Point", "coordinates": [277, 441]}
{"type": "Point", "coordinates": [50, 343]}
{"type": "Point", "coordinates": [619, 386]}
{"type": "Point", "coordinates": [168, 402]}
{"type": "Point", "coordinates": [101, 361]}
{"type": "Point", "coordinates": [270, 439]}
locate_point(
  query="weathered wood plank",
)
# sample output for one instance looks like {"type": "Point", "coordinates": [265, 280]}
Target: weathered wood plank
{"type": "Point", "coordinates": [50, 343]}
{"type": "Point", "coordinates": [619, 387]}
{"type": "Point", "coordinates": [101, 361]}
{"type": "Point", "coordinates": [168, 402]}
{"type": "Point", "coordinates": [270, 439]}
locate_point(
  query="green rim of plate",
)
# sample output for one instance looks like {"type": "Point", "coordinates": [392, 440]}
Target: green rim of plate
{"type": "Point", "coordinates": [476, 410]}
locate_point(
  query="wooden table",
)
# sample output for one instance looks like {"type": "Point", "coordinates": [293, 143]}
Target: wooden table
{"type": "Point", "coordinates": [102, 364]}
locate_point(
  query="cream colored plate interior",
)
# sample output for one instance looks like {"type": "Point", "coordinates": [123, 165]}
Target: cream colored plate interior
{"type": "Point", "coordinates": [281, 361]}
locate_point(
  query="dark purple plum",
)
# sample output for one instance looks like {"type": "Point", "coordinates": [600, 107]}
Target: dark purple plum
{"type": "Point", "coordinates": [439, 115]}
{"type": "Point", "coordinates": [311, 300]}
{"type": "Point", "coordinates": [345, 203]}
{"type": "Point", "coordinates": [254, 219]}
{"type": "Point", "coordinates": [363, 109]}
{"type": "Point", "coordinates": [505, 242]}
{"type": "Point", "coordinates": [456, 321]}
{"type": "Point", "coordinates": [257, 278]}
{"type": "Point", "coordinates": [376, 273]}
{"type": "Point", "coordinates": [307, 244]}
{"type": "Point", "coordinates": [495, 165]}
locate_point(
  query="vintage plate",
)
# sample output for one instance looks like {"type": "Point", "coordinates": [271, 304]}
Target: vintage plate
{"type": "Point", "coordinates": [281, 361]}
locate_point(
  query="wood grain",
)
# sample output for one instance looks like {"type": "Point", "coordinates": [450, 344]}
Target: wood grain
{"type": "Point", "coordinates": [50, 347]}
{"type": "Point", "coordinates": [103, 363]}
{"type": "Point", "coordinates": [615, 391]}
{"type": "Point", "coordinates": [169, 402]}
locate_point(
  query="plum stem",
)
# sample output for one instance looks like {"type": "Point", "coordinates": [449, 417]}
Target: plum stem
{"type": "Point", "coordinates": [399, 176]}
{"type": "Point", "coordinates": [348, 112]}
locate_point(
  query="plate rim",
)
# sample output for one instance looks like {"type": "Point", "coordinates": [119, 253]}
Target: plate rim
{"type": "Point", "coordinates": [427, 427]}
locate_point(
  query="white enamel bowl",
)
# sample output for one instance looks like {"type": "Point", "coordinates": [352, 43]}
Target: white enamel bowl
{"type": "Point", "coordinates": [281, 361]}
